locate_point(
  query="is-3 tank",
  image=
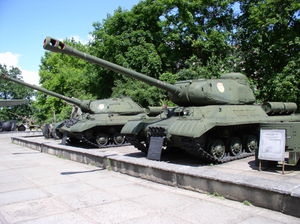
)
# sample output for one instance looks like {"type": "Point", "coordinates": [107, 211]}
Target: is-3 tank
{"type": "Point", "coordinates": [216, 120]}
{"type": "Point", "coordinates": [97, 122]}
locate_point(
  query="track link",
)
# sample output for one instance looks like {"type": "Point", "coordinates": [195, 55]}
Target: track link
{"type": "Point", "coordinates": [110, 145]}
{"type": "Point", "coordinates": [133, 140]}
{"type": "Point", "coordinates": [193, 147]}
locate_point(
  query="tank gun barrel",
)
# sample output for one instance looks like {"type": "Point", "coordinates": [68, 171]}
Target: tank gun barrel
{"type": "Point", "coordinates": [74, 101]}
{"type": "Point", "coordinates": [14, 102]}
{"type": "Point", "coordinates": [54, 45]}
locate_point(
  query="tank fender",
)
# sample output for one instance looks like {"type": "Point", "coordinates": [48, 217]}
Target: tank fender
{"type": "Point", "coordinates": [133, 127]}
{"type": "Point", "coordinates": [190, 128]}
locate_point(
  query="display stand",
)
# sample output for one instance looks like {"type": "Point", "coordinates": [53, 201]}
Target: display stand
{"type": "Point", "coordinates": [283, 163]}
{"type": "Point", "coordinates": [155, 148]}
{"type": "Point", "coordinates": [272, 146]}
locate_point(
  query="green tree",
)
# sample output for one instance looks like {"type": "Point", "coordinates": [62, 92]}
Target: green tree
{"type": "Point", "coordinates": [159, 36]}
{"type": "Point", "coordinates": [10, 90]}
{"type": "Point", "coordinates": [269, 40]}
{"type": "Point", "coordinates": [175, 40]}
{"type": "Point", "coordinates": [65, 75]}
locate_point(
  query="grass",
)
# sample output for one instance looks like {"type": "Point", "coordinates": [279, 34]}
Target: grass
{"type": "Point", "coordinates": [217, 195]}
{"type": "Point", "coordinates": [247, 203]}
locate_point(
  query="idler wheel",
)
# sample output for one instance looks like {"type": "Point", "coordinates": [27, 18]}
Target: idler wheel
{"type": "Point", "coordinates": [235, 146]}
{"type": "Point", "coordinates": [119, 139]}
{"type": "Point", "coordinates": [251, 143]}
{"type": "Point", "coordinates": [217, 149]}
{"type": "Point", "coordinates": [102, 140]}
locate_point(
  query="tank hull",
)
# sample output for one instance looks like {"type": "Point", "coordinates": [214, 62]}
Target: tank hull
{"type": "Point", "coordinates": [100, 130]}
{"type": "Point", "coordinates": [212, 133]}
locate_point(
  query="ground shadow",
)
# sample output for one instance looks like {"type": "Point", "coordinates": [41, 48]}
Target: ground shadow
{"type": "Point", "coordinates": [174, 157]}
{"type": "Point", "coordinates": [24, 153]}
{"type": "Point", "coordinates": [80, 145]}
{"type": "Point", "coordinates": [78, 172]}
{"type": "Point", "coordinates": [272, 166]}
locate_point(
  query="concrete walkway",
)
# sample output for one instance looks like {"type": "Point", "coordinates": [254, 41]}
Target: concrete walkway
{"type": "Point", "coordinates": [40, 188]}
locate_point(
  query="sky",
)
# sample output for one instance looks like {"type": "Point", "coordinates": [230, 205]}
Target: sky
{"type": "Point", "coordinates": [24, 24]}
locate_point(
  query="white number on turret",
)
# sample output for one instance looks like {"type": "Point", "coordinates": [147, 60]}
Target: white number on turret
{"type": "Point", "coordinates": [101, 106]}
{"type": "Point", "coordinates": [220, 87]}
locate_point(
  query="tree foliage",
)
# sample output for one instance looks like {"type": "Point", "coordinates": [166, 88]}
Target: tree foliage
{"type": "Point", "coordinates": [175, 40]}
{"type": "Point", "coordinates": [160, 36]}
{"type": "Point", "coordinates": [269, 37]}
{"type": "Point", "coordinates": [66, 75]}
{"type": "Point", "coordinates": [10, 90]}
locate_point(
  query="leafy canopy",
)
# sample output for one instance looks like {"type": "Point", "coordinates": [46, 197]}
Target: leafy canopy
{"type": "Point", "coordinates": [10, 90]}
{"type": "Point", "coordinates": [175, 40]}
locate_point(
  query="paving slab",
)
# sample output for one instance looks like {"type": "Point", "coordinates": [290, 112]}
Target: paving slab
{"type": "Point", "coordinates": [115, 212]}
{"type": "Point", "coordinates": [79, 193]}
{"type": "Point", "coordinates": [238, 180]}
{"type": "Point", "coordinates": [21, 195]}
{"type": "Point", "coordinates": [32, 209]}
{"type": "Point", "coordinates": [64, 218]}
{"type": "Point", "coordinates": [88, 198]}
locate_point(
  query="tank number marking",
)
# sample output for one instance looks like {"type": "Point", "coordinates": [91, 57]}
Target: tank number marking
{"type": "Point", "coordinates": [101, 106]}
{"type": "Point", "coordinates": [220, 87]}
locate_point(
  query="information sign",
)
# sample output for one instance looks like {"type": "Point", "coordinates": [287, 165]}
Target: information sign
{"type": "Point", "coordinates": [272, 144]}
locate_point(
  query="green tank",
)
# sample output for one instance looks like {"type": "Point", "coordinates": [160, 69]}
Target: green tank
{"type": "Point", "coordinates": [97, 122]}
{"type": "Point", "coordinates": [216, 120]}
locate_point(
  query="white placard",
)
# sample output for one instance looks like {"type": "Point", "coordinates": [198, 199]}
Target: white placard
{"type": "Point", "coordinates": [272, 144]}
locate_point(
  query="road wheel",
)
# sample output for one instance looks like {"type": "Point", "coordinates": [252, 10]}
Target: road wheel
{"type": "Point", "coordinates": [251, 143]}
{"type": "Point", "coordinates": [235, 146]}
{"type": "Point", "coordinates": [217, 149]}
{"type": "Point", "coordinates": [119, 139]}
{"type": "Point", "coordinates": [102, 140]}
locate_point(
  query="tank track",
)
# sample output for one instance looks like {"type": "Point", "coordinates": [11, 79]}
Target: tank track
{"type": "Point", "coordinates": [193, 147]}
{"type": "Point", "coordinates": [133, 140]}
{"type": "Point", "coordinates": [111, 145]}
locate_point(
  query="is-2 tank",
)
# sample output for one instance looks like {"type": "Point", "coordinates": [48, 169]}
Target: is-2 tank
{"type": "Point", "coordinates": [216, 120]}
{"type": "Point", "coordinates": [97, 122]}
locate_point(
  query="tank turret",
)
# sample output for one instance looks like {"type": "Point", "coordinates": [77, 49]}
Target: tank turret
{"type": "Point", "coordinates": [87, 106]}
{"type": "Point", "coordinates": [231, 88]}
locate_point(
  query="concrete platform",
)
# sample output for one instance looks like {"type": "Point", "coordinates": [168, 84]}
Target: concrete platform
{"type": "Point", "coordinates": [237, 180]}
{"type": "Point", "coordinates": [40, 188]}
